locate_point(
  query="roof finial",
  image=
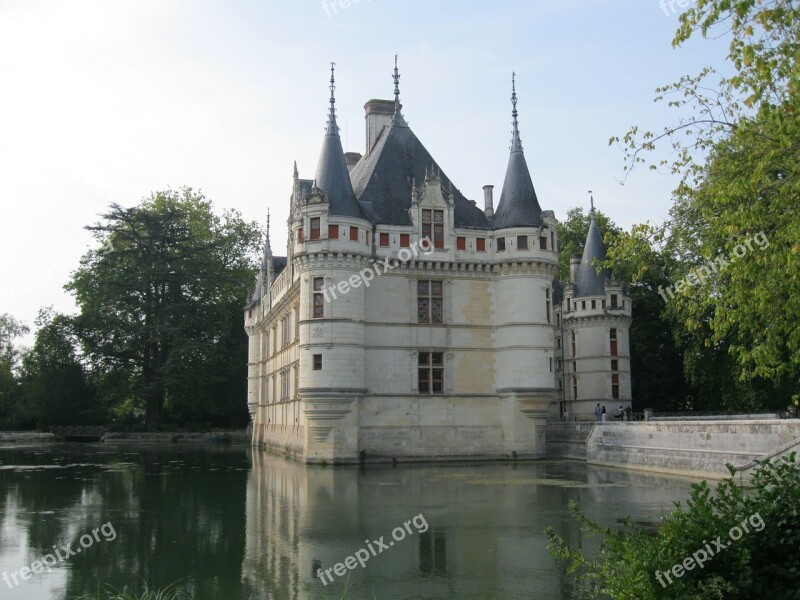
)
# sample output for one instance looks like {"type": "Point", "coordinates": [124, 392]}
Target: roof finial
{"type": "Point", "coordinates": [396, 78]}
{"type": "Point", "coordinates": [516, 144]}
{"type": "Point", "coordinates": [267, 246]}
{"type": "Point", "coordinates": [591, 203]}
{"type": "Point", "coordinates": [332, 127]}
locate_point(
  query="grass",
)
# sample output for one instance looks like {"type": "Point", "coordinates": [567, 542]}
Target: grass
{"type": "Point", "coordinates": [109, 593]}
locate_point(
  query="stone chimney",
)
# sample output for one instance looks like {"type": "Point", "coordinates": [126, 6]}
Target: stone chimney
{"type": "Point", "coordinates": [378, 114]}
{"type": "Point", "coordinates": [574, 263]}
{"type": "Point", "coordinates": [488, 200]}
{"type": "Point", "coordinates": [351, 159]}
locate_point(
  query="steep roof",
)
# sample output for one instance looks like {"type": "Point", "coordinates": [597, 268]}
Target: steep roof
{"type": "Point", "coordinates": [588, 281]}
{"type": "Point", "coordinates": [332, 176]}
{"type": "Point", "coordinates": [518, 206]}
{"type": "Point", "coordinates": [382, 179]}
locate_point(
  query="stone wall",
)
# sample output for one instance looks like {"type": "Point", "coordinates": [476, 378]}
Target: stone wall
{"type": "Point", "coordinates": [693, 448]}
{"type": "Point", "coordinates": [568, 440]}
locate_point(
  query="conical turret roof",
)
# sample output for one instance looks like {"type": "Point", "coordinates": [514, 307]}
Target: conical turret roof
{"type": "Point", "coordinates": [518, 206]}
{"type": "Point", "coordinates": [588, 281]}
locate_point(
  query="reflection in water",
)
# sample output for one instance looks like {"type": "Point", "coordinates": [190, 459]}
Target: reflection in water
{"type": "Point", "coordinates": [227, 525]}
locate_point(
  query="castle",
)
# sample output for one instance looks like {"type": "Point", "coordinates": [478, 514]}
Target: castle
{"type": "Point", "coordinates": [406, 323]}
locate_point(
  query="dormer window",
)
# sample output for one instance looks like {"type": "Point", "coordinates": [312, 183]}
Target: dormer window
{"type": "Point", "coordinates": [314, 228]}
{"type": "Point", "coordinates": [522, 242]}
{"type": "Point", "coordinates": [433, 226]}
{"type": "Point", "coordinates": [501, 244]}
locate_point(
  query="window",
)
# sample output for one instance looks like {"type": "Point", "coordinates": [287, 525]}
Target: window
{"type": "Point", "coordinates": [284, 385]}
{"type": "Point", "coordinates": [569, 304]}
{"type": "Point", "coordinates": [603, 303]}
{"type": "Point", "coordinates": [433, 226]}
{"type": "Point", "coordinates": [613, 301]}
{"type": "Point", "coordinates": [501, 244]}
{"type": "Point", "coordinates": [572, 342]}
{"type": "Point", "coordinates": [574, 388]}
{"type": "Point", "coordinates": [558, 364]}
{"type": "Point", "coordinates": [558, 319]}
{"type": "Point", "coordinates": [461, 243]}
{"type": "Point", "coordinates": [542, 243]}
{"type": "Point", "coordinates": [551, 364]}
{"type": "Point", "coordinates": [431, 372]}
{"type": "Point", "coordinates": [552, 240]}
{"type": "Point", "coordinates": [300, 235]}
{"type": "Point", "coordinates": [522, 242]}
{"type": "Point", "coordinates": [318, 362]}
{"type": "Point", "coordinates": [594, 304]}
{"type": "Point", "coordinates": [547, 302]}
{"type": "Point", "coordinates": [297, 323]}
{"type": "Point", "coordinates": [384, 240]}
{"type": "Point", "coordinates": [558, 343]}
{"type": "Point", "coordinates": [433, 552]}
{"type": "Point", "coordinates": [333, 232]}
{"type": "Point", "coordinates": [583, 304]}
{"type": "Point", "coordinates": [315, 228]}
{"type": "Point", "coordinates": [404, 240]}
{"type": "Point", "coordinates": [354, 234]}
{"type": "Point", "coordinates": [612, 337]}
{"type": "Point", "coordinates": [296, 382]}
{"type": "Point", "coordinates": [480, 244]}
{"type": "Point", "coordinates": [429, 301]}
{"type": "Point", "coordinates": [319, 301]}
{"type": "Point", "coordinates": [614, 364]}
{"type": "Point", "coordinates": [615, 386]}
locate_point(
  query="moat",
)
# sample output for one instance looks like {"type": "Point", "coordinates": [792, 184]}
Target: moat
{"type": "Point", "coordinates": [228, 522]}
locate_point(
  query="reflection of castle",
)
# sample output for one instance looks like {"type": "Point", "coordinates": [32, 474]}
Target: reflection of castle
{"type": "Point", "coordinates": [485, 536]}
{"type": "Point", "coordinates": [404, 321]}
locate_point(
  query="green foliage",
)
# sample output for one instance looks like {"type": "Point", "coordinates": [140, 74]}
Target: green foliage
{"type": "Point", "coordinates": [110, 593]}
{"type": "Point", "coordinates": [158, 299]}
{"type": "Point", "coordinates": [54, 385]}
{"type": "Point", "coordinates": [761, 564]}
{"type": "Point", "coordinates": [737, 149]}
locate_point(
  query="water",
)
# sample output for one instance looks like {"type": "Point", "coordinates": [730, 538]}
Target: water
{"type": "Point", "coordinates": [231, 523]}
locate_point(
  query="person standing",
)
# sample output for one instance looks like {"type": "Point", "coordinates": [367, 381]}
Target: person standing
{"type": "Point", "coordinates": [603, 413]}
{"type": "Point", "coordinates": [598, 412]}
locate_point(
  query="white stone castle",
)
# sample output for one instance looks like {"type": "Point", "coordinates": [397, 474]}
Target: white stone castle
{"type": "Point", "coordinates": [406, 323]}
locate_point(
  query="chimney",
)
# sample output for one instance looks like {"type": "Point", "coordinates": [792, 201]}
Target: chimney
{"type": "Point", "coordinates": [351, 159]}
{"type": "Point", "coordinates": [378, 114]}
{"type": "Point", "coordinates": [488, 201]}
{"type": "Point", "coordinates": [574, 263]}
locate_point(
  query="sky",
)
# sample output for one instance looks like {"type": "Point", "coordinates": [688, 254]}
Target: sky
{"type": "Point", "coordinates": [106, 101]}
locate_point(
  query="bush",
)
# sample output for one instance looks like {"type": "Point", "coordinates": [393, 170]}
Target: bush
{"type": "Point", "coordinates": [735, 542]}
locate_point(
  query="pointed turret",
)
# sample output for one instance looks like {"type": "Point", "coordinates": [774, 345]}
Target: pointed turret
{"type": "Point", "coordinates": [332, 176]}
{"type": "Point", "coordinates": [518, 206]}
{"type": "Point", "coordinates": [588, 281]}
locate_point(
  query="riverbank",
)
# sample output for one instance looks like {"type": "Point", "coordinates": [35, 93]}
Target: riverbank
{"type": "Point", "coordinates": [160, 437]}
{"type": "Point", "coordinates": [700, 448]}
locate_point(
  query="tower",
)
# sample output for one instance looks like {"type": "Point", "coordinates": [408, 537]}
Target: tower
{"type": "Point", "coordinates": [593, 329]}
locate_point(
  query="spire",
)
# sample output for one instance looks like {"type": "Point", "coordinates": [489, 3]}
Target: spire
{"type": "Point", "coordinates": [267, 246]}
{"type": "Point", "coordinates": [588, 281]}
{"type": "Point", "coordinates": [332, 127]}
{"type": "Point", "coordinates": [332, 176]}
{"type": "Point", "coordinates": [396, 79]}
{"type": "Point", "coordinates": [516, 143]}
{"type": "Point", "coordinates": [518, 206]}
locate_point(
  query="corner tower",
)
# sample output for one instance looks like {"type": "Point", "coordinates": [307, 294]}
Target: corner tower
{"type": "Point", "coordinates": [595, 317]}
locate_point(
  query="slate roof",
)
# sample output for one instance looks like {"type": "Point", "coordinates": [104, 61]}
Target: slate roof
{"type": "Point", "coordinates": [382, 179]}
{"type": "Point", "coordinates": [588, 281]}
{"type": "Point", "coordinates": [518, 206]}
{"type": "Point", "coordinates": [332, 176]}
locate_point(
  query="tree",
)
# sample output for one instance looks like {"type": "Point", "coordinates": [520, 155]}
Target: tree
{"type": "Point", "coordinates": [744, 539]}
{"type": "Point", "coordinates": [55, 388]}
{"type": "Point", "coordinates": [10, 330]}
{"type": "Point", "coordinates": [156, 299]}
{"type": "Point", "coordinates": [736, 205]}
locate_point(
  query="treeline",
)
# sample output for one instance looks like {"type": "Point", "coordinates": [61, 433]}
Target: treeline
{"type": "Point", "coordinates": [158, 340]}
